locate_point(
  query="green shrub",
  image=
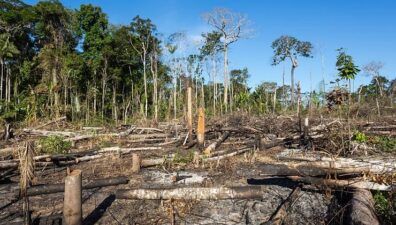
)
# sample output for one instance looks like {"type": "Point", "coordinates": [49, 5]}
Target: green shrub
{"type": "Point", "coordinates": [387, 144]}
{"type": "Point", "coordinates": [360, 137]}
{"type": "Point", "coordinates": [385, 206]}
{"type": "Point", "coordinates": [54, 145]}
{"type": "Point", "coordinates": [186, 157]}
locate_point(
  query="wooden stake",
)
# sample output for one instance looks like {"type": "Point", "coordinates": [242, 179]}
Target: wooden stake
{"type": "Point", "coordinates": [201, 128]}
{"type": "Point", "coordinates": [136, 163]}
{"type": "Point", "coordinates": [72, 206]}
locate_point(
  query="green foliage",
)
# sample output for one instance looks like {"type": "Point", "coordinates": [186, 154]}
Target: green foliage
{"type": "Point", "coordinates": [360, 137]}
{"type": "Point", "coordinates": [185, 157]}
{"type": "Point", "coordinates": [290, 47]}
{"type": "Point", "coordinates": [347, 70]}
{"type": "Point", "coordinates": [387, 144]}
{"type": "Point", "coordinates": [385, 205]}
{"type": "Point", "coordinates": [54, 145]}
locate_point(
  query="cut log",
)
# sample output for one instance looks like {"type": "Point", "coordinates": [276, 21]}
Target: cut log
{"type": "Point", "coordinates": [234, 153]}
{"type": "Point", "coordinates": [374, 166]}
{"type": "Point", "coordinates": [343, 183]}
{"type": "Point", "coordinates": [49, 133]}
{"type": "Point", "coordinates": [217, 143]}
{"type": "Point", "coordinates": [56, 188]}
{"type": "Point", "coordinates": [308, 169]}
{"type": "Point", "coordinates": [50, 122]}
{"type": "Point", "coordinates": [362, 211]}
{"type": "Point", "coordinates": [193, 193]}
{"type": "Point", "coordinates": [280, 214]}
{"type": "Point", "coordinates": [127, 132]}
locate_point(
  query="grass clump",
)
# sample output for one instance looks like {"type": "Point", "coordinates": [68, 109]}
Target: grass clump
{"type": "Point", "coordinates": [386, 144]}
{"type": "Point", "coordinates": [54, 145]}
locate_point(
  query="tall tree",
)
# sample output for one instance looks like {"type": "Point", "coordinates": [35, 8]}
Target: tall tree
{"type": "Point", "coordinates": [211, 47]}
{"type": "Point", "coordinates": [232, 26]}
{"type": "Point", "coordinates": [288, 47]}
{"type": "Point", "coordinates": [142, 38]}
{"type": "Point", "coordinates": [55, 39]}
{"type": "Point", "coordinates": [93, 27]}
{"type": "Point", "coordinates": [373, 70]}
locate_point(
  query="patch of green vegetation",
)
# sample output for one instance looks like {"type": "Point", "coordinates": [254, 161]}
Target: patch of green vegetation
{"type": "Point", "coordinates": [385, 204]}
{"type": "Point", "coordinates": [360, 137]}
{"type": "Point", "coordinates": [185, 157]}
{"type": "Point", "coordinates": [54, 145]}
{"type": "Point", "coordinates": [386, 144]}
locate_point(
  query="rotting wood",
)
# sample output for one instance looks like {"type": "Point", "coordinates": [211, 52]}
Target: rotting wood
{"type": "Point", "coordinates": [216, 143]}
{"type": "Point", "coordinates": [343, 183]}
{"type": "Point", "coordinates": [72, 204]}
{"type": "Point", "coordinates": [193, 193]}
{"type": "Point", "coordinates": [362, 209]}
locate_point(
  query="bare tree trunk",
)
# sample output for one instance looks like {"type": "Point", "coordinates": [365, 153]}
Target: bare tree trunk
{"type": "Point", "coordinates": [189, 111]}
{"type": "Point", "coordinates": [104, 84]}
{"type": "Point", "coordinates": [114, 103]}
{"type": "Point", "coordinates": [292, 85]}
{"type": "Point", "coordinates": [225, 77]}
{"type": "Point", "coordinates": [145, 84]}
{"type": "Point", "coordinates": [1, 78]}
{"type": "Point", "coordinates": [274, 107]}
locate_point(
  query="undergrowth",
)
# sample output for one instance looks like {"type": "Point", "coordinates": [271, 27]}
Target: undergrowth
{"type": "Point", "coordinates": [54, 145]}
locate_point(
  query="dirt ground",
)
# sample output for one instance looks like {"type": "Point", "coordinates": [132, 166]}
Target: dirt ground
{"type": "Point", "coordinates": [314, 205]}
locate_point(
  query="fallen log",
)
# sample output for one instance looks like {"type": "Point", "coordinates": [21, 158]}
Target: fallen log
{"type": "Point", "coordinates": [280, 214]}
{"type": "Point", "coordinates": [343, 183]}
{"type": "Point", "coordinates": [50, 122]}
{"type": "Point", "coordinates": [193, 193]}
{"type": "Point", "coordinates": [217, 143]}
{"type": "Point", "coordinates": [362, 209]}
{"type": "Point", "coordinates": [49, 133]}
{"type": "Point", "coordinates": [56, 188]}
{"type": "Point", "coordinates": [374, 166]}
{"type": "Point", "coordinates": [234, 153]}
{"type": "Point", "coordinates": [309, 169]}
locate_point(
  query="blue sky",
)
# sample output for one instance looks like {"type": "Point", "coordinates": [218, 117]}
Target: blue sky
{"type": "Point", "coordinates": [367, 29]}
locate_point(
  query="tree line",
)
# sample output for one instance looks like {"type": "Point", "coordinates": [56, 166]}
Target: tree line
{"type": "Point", "coordinates": [57, 61]}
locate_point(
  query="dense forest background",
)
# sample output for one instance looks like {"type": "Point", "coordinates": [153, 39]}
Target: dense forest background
{"type": "Point", "coordinates": [57, 61]}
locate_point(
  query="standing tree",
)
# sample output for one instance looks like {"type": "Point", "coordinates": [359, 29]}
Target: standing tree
{"type": "Point", "coordinates": [347, 69]}
{"type": "Point", "coordinates": [232, 27]}
{"type": "Point", "coordinates": [54, 36]}
{"type": "Point", "coordinates": [211, 47]}
{"type": "Point", "coordinates": [373, 70]}
{"type": "Point", "coordinates": [290, 47]}
{"type": "Point", "coordinates": [93, 26]}
{"type": "Point", "coordinates": [142, 37]}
